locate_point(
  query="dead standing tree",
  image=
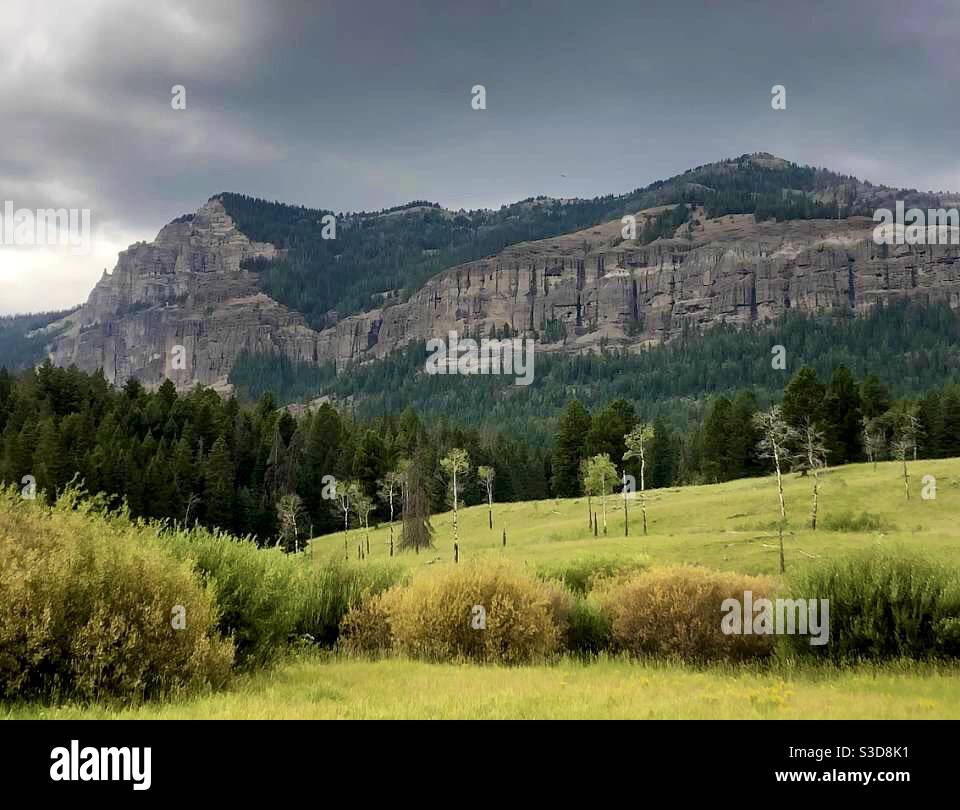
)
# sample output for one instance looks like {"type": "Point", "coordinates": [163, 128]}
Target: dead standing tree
{"type": "Point", "coordinates": [905, 442]}
{"type": "Point", "coordinates": [873, 440]}
{"type": "Point", "coordinates": [814, 460]}
{"type": "Point", "coordinates": [777, 439]}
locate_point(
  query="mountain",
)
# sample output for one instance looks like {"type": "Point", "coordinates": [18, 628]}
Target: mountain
{"type": "Point", "coordinates": [742, 241]}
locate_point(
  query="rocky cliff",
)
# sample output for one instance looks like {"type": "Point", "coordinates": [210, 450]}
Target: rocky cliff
{"type": "Point", "coordinates": [191, 293]}
{"type": "Point", "coordinates": [182, 307]}
{"type": "Point", "coordinates": [609, 291]}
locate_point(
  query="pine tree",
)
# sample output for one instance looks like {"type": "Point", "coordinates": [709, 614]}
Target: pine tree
{"type": "Point", "coordinates": [803, 399]}
{"type": "Point", "coordinates": [417, 531]}
{"type": "Point", "coordinates": [716, 441]}
{"type": "Point", "coordinates": [570, 450]}
{"type": "Point", "coordinates": [218, 495]}
{"type": "Point", "coordinates": [842, 416]}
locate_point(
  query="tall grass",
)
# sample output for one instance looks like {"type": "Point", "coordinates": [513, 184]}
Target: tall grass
{"type": "Point", "coordinates": [883, 605]}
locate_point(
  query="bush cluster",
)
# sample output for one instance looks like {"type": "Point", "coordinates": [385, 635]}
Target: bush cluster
{"type": "Point", "coordinates": [883, 605]}
{"type": "Point", "coordinates": [493, 613]}
{"type": "Point", "coordinates": [675, 612]}
{"type": "Point", "coordinates": [89, 608]}
{"type": "Point", "coordinates": [268, 598]}
{"type": "Point", "coordinates": [90, 602]}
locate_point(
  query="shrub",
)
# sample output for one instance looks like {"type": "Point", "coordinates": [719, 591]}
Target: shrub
{"type": "Point", "coordinates": [365, 629]}
{"type": "Point", "coordinates": [432, 617]}
{"type": "Point", "coordinates": [850, 522]}
{"type": "Point", "coordinates": [676, 612]}
{"type": "Point", "coordinates": [331, 590]}
{"type": "Point", "coordinates": [582, 574]}
{"type": "Point", "coordinates": [268, 597]}
{"type": "Point", "coordinates": [588, 629]}
{"type": "Point", "coordinates": [88, 602]}
{"type": "Point", "coordinates": [260, 591]}
{"type": "Point", "coordinates": [882, 605]}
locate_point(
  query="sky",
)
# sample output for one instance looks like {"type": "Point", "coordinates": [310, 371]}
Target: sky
{"type": "Point", "coordinates": [362, 105]}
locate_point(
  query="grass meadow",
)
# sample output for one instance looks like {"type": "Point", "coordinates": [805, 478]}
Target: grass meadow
{"type": "Point", "coordinates": [727, 527]}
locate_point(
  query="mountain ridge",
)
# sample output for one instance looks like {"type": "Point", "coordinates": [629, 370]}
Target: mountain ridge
{"type": "Point", "coordinates": [206, 289]}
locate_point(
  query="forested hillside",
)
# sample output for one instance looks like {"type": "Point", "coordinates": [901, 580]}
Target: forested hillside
{"type": "Point", "coordinates": [198, 457]}
{"type": "Point", "coordinates": [18, 349]}
{"type": "Point", "coordinates": [911, 347]}
{"type": "Point", "coordinates": [393, 252]}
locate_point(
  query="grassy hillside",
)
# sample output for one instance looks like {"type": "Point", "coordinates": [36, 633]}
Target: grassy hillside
{"type": "Point", "coordinates": [731, 526]}
{"type": "Point", "coordinates": [726, 526]}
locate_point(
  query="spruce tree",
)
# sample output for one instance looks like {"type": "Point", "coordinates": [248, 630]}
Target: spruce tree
{"type": "Point", "coordinates": [570, 450]}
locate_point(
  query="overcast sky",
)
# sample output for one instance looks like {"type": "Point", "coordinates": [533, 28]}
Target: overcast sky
{"type": "Point", "coordinates": [361, 105]}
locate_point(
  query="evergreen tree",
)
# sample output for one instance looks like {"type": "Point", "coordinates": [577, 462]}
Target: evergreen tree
{"type": "Point", "coordinates": [607, 429]}
{"type": "Point", "coordinates": [803, 399]}
{"type": "Point", "coordinates": [843, 418]}
{"type": "Point", "coordinates": [716, 441]}
{"type": "Point", "coordinates": [218, 495]}
{"type": "Point", "coordinates": [570, 450]}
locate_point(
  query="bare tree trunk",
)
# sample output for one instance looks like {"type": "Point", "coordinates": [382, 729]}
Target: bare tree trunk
{"type": "Point", "coordinates": [626, 515]}
{"type": "Point", "coordinates": [643, 491]}
{"type": "Point", "coordinates": [456, 535]}
{"type": "Point", "coordinates": [391, 522]}
{"type": "Point", "coordinates": [783, 508]}
{"type": "Point", "coordinates": [906, 477]}
{"type": "Point", "coordinates": [813, 513]}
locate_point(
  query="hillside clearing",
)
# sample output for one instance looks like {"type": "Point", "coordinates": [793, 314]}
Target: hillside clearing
{"type": "Point", "coordinates": [730, 526]}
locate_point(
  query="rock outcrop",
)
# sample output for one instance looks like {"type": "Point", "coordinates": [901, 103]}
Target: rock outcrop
{"type": "Point", "coordinates": [191, 293]}
{"type": "Point", "coordinates": [182, 307]}
{"type": "Point", "coordinates": [608, 291]}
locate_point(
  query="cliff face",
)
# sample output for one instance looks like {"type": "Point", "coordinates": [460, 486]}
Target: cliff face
{"type": "Point", "coordinates": [182, 296]}
{"type": "Point", "coordinates": [606, 290]}
{"type": "Point", "coordinates": [188, 289]}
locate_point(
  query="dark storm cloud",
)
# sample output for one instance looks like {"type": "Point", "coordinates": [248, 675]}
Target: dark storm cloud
{"type": "Point", "coordinates": [359, 105]}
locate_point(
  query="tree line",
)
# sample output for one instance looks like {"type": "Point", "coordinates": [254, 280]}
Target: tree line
{"type": "Point", "coordinates": [258, 469]}
{"type": "Point", "coordinates": [197, 457]}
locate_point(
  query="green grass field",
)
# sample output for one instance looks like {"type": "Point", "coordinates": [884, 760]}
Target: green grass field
{"type": "Point", "coordinates": [728, 526]}
{"type": "Point", "coordinates": [339, 688]}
